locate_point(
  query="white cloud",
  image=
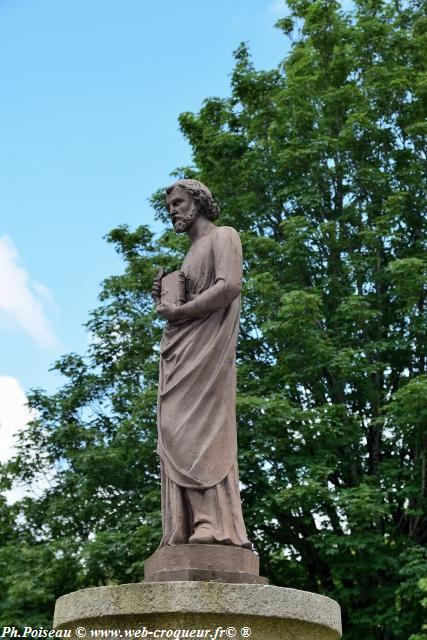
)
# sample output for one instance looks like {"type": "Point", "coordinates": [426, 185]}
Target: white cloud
{"type": "Point", "coordinates": [14, 414]}
{"type": "Point", "coordinates": [21, 301]}
{"type": "Point", "coordinates": [277, 8]}
{"type": "Point", "coordinates": [46, 294]}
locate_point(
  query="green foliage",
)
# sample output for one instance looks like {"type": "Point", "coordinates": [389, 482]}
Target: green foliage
{"type": "Point", "coordinates": [422, 585]}
{"type": "Point", "coordinates": [321, 166]}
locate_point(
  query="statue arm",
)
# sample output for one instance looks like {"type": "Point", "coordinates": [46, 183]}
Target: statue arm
{"type": "Point", "coordinates": [228, 261]}
{"type": "Point", "coordinates": [227, 250]}
{"type": "Point", "coordinates": [220, 295]}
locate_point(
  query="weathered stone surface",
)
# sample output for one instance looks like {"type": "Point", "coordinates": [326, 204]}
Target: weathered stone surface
{"type": "Point", "coordinates": [272, 613]}
{"type": "Point", "coordinates": [196, 408]}
{"type": "Point", "coordinates": [203, 562]}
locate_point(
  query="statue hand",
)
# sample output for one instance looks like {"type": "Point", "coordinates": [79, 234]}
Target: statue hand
{"type": "Point", "coordinates": [169, 311]}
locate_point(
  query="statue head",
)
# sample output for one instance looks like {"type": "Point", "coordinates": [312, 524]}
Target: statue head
{"type": "Point", "coordinates": [193, 198]}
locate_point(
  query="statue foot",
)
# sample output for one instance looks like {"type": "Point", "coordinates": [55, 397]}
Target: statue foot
{"type": "Point", "coordinates": [204, 535]}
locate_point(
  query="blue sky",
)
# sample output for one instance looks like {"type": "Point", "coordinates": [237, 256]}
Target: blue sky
{"type": "Point", "coordinates": [90, 93]}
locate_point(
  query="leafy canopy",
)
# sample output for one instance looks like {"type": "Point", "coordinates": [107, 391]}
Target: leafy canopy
{"type": "Point", "coordinates": [321, 166]}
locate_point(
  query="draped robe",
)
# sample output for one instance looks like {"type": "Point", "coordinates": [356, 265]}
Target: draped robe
{"type": "Point", "coordinates": [197, 440]}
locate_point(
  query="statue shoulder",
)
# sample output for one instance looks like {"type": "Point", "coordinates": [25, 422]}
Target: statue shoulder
{"type": "Point", "coordinates": [223, 233]}
{"type": "Point", "coordinates": [227, 247]}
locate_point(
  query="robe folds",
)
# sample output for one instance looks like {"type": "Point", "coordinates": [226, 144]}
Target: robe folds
{"type": "Point", "coordinates": [197, 439]}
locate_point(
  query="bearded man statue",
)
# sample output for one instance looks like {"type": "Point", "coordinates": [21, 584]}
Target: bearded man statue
{"type": "Point", "coordinates": [197, 440]}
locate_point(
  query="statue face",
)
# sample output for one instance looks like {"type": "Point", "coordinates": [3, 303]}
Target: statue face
{"type": "Point", "coordinates": [182, 209]}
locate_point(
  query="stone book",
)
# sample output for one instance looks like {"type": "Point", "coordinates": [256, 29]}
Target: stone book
{"type": "Point", "coordinates": [173, 288]}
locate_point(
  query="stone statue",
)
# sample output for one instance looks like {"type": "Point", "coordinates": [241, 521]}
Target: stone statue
{"type": "Point", "coordinates": [204, 537]}
{"type": "Point", "coordinates": [197, 441]}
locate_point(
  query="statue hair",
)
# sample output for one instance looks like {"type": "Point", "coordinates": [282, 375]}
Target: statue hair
{"type": "Point", "coordinates": [201, 195]}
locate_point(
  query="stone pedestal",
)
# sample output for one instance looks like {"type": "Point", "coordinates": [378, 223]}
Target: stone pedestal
{"type": "Point", "coordinates": [203, 562]}
{"type": "Point", "coordinates": [199, 610]}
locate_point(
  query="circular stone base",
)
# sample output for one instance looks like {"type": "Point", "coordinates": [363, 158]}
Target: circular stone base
{"type": "Point", "coordinates": [175, 609]}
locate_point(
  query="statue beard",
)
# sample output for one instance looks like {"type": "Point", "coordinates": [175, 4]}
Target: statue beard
{"type": "Point", "coordinates": [184, 221]}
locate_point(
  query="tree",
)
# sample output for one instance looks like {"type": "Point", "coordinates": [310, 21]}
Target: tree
{"type": "Point", "coordinates": [321, 164]}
